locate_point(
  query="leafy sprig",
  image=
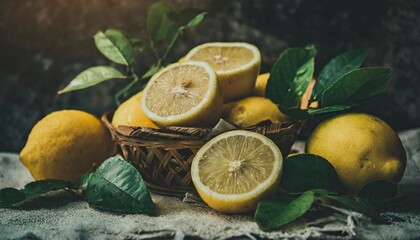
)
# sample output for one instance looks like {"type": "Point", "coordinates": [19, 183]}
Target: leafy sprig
{"type": "Point", "coordinates": [115, 186]}
{"type": "Point", "coordinates": [164, 26]}
{"type": "Point", "coordinates": [310, 182]}
{"type": "Point", "coordinates": [341, 84]}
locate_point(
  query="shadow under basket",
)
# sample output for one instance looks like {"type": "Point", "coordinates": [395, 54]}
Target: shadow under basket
{"type": "Point", "coordinates": [164, 156]}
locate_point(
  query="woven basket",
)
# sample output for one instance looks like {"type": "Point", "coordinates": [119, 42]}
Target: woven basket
{"type": "Point", "coordinates": [164, 156]}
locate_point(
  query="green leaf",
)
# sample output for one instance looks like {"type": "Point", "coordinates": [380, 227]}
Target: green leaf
{"type": "Point", "coordinates": [114, 45]}
{"type": "Point", "coordinates": [276, 213]}
{"type": "Point", "coordinates": [356, 85]}
{"type": "Point", "coordinates": [336, 68]}
{"type": "Point", "coordinates": [44, 186]}
{"type": "Point", "coordinates": [117, 186]}
{"type": "Point", "coordinates": [83, 182]}
{"type": "Point", "coordinates": [10, 196]}
{"type": "Point", "coordinates": [378, 191]}
{"type": "Point", "coordinates": [158, 21]}
{"type": "Point", "coordinates": [152, 71]}
{"type": "Point", "coordinates": [306, 171]}
{"type": "Point", "coordinates": [328, 109]}
{"type": "Point", "coordinates": [91, 77]}
{"type": "Point", "coordinates": [45, 193]}
{"type": "Point", "coordinates": [349, 202]}
{"type": "Point", "coordinates": [138, 44]}
{"type": "Point", "coordinates": [290, 76]}
{"type": "Point", "coordinates": [197, 19]}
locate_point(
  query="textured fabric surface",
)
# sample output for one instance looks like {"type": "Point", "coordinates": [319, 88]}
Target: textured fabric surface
{"type": "Point", "coordinates": [189, 218]}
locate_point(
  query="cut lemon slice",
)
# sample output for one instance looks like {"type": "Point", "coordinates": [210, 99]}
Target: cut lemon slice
{"type": "Point", "coordinates": [184, 94]}
{"type": "Point", "coordinates": [235, 170]}
{"type": "Point", "coordinates": [237, 65]}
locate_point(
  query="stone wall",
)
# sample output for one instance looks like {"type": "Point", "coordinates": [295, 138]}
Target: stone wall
{"type": "Point", "coordinates": [44, 44]}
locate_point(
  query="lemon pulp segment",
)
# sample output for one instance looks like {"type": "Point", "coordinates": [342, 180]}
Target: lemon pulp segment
{"type": "Point", "coordinates": [179, 90]}
{"type": "Point", "coordinates": [224, 58]}
{"type": "Point", "coordinates": [236, 165]}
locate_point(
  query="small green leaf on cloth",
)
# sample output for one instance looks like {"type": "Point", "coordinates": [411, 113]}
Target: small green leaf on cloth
{"type": "Point", "coordinates": [336, 68]}
{"type": "Point", "coordinates": [378, 191]}
{"type": "Point", "coordinates": [117, 186]}
{"type": "Point", "coordinates": [272, 214]}
{"type": "Point", "coordinates": [357, 85]}
{"type": "Point", "coordinates": [290, 76]}
{"type": "Point", "coordinates": [114, 45]}
{"type": "Point", "coordinates": [349, 202]}
{"type": "Point", "coordinates": [37, 194]}
{"type": "Point", "coordinates": [304, 172]}
{"type": "Point", "coordinates": [91, 77]}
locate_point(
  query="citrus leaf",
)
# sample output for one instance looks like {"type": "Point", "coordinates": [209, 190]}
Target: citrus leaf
{"type": "Point", "coordinates": [114, 45]}
{"type": "Point", "coordinates": [336, 68]}
{"type": "Point", "coordinates": [158, 21]}
{"type": "Point", "coordinates": [356, 85]}
{"type": "Point", "coordinates": [349, 202]}
{"type": "Point", "coordinates": [152, 71]}
{"type": "Point", "coordinates": [328, 109]}
{"type": "Point", "coordinates": [138, 44]}
{"type": "Point", "coordinates": [37, 194]}
{"type": "Point", "coordinates": [117, 186]}
{"type": "Point", "coordinates": [10, 196]}
{"type": "Point", "coordinates": [197, 19]}
{"type": "Point", "coordinates": [276, 213]}
{"type": "Point", "coordinates": [378, 191]}
{"type": "Point", "coordinates": [306, 171]}
{"type": "Point", "coordinates": [91, 77]}
{"type": "Point", "coordinates": [290, 76]}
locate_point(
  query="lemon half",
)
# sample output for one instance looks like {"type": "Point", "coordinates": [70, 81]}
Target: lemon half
{"type": "Point", "coordinates": [184, 94]}
{"type": "Point", "coordinates": [237, 65]}
{"type": "Point", "coordinates": [235, 170]}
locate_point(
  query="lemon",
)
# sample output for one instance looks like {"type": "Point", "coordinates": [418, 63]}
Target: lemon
{"type": "Point", "coordinates": [362, 148]}
{"type": "Point", "coordinates": [130, 113]}
{"type": "Point", "coordinates": [237, 65]}
{"type": "Point", "coordinates": [235, 170]}
{"type": "Point", "coordinates": [261, 84]}
{"type": "Point", "coordinates": [184, 94]}
{"type": "Point", "coordinates": [251, 111]}
{"type": "Point", "coordinates": [65, 145]}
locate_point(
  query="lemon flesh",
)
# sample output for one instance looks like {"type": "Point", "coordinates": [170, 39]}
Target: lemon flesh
{"type": "Point", "coordinates": [235, 170]}
{"type": "Point", "coordinates": [184, 94]}
{"type": "Point", "coordinates": [362, 148]}
{"type": "Point", "coordinates": [237, 65]}
{"type": "Point", "coordinates": [130, 113]}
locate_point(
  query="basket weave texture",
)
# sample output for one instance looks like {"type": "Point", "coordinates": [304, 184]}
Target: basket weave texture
{"type": "Point", "coordinates": [164, 156]}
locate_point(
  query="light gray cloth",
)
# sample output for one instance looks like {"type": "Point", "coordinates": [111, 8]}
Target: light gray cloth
{"type": "Point", "coordinates": [188, 218]}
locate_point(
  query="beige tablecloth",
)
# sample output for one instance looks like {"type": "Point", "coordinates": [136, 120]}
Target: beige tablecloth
{"type": "Point", "coordinates": [188, 219]}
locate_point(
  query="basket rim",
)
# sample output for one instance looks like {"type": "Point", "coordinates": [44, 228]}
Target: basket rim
{"type": "Point", "coordinates": [186, 134]}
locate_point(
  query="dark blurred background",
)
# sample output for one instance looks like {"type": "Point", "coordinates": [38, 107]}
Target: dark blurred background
{"type": "Point", "coordinates": [45, 43]}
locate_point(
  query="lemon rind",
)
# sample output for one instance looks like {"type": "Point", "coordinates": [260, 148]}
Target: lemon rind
{"type": "Point", "coordinates": [255, 60]}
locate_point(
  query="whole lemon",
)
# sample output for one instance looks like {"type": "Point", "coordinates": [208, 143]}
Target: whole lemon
{"type": "Point", "coordinates": [65, 145]}
{"type": "Point", "coordinates": [251, 111]}
{"type": "Point", "coordinates": [362, 148]}
{"type": "Point", "coordinates": [130, 113]}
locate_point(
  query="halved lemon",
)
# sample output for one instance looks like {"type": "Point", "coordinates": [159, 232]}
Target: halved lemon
{"type": "Point", "coordinates": [237, 65]}
{"type": "Point", "coordinates": [235, 170]}
{"type": "Point", "coordinates": [184, 94]}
